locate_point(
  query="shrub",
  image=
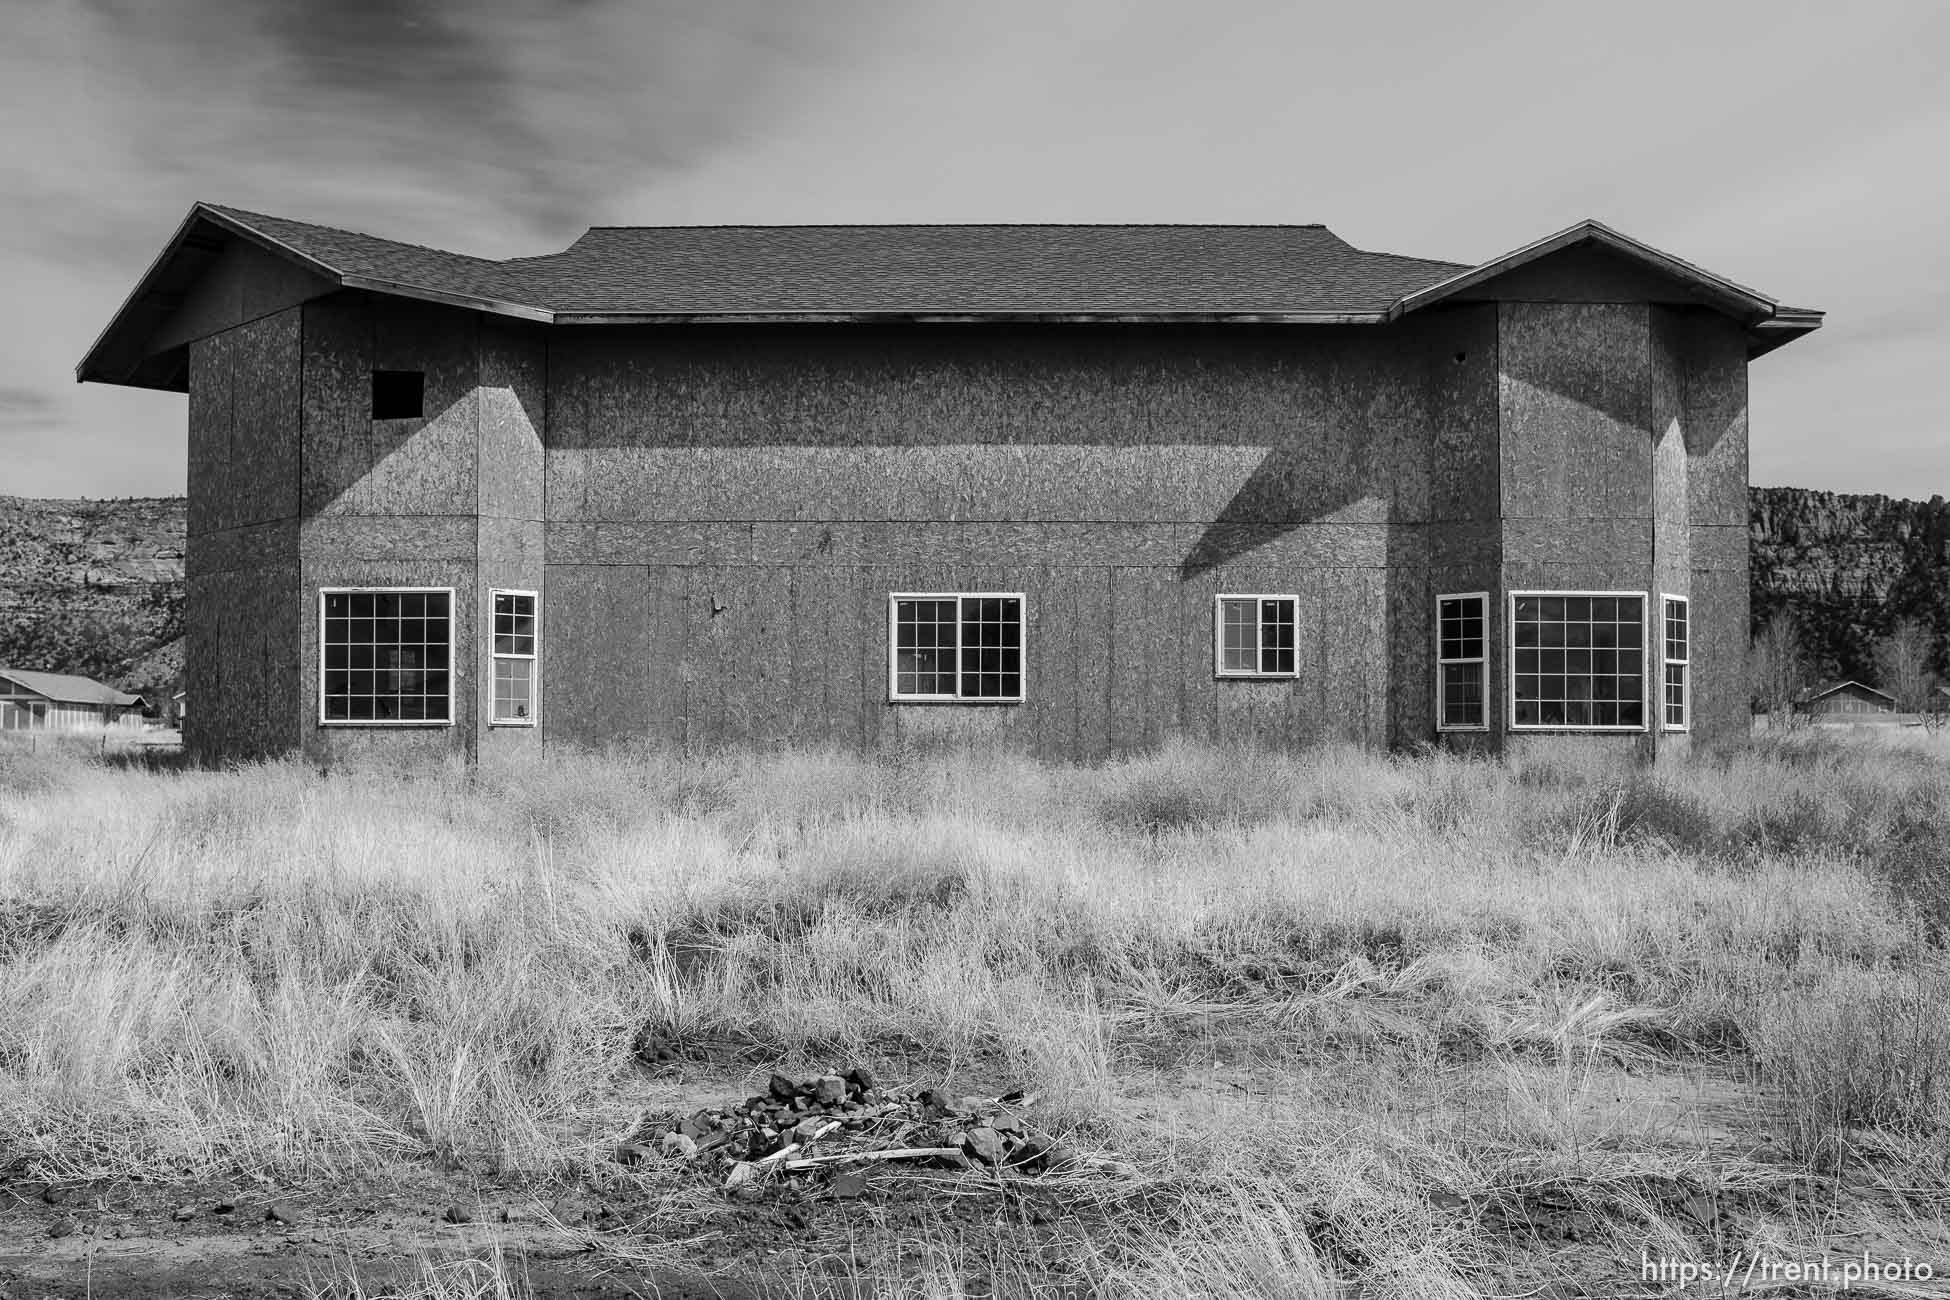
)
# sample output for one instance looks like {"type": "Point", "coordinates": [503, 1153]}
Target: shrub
{"type": "Point", "coordinates": [1851, 1050]}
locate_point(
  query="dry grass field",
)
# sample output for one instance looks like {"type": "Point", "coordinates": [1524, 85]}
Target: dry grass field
{"type": "Point", "coordinates": [1339, 1023]}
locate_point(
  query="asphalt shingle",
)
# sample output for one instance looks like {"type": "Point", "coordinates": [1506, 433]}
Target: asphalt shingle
{"type": "Point", "coordinates": [734, 270]}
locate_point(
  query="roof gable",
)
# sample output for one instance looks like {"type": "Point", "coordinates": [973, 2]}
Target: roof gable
{"type": "Point", "coordinates": [1770, 323]}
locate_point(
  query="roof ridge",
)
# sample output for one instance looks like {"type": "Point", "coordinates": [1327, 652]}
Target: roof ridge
{"type": "Point", "coordinates": [978, 225]}
{"type": "Point", "coordinates": [245, 215]}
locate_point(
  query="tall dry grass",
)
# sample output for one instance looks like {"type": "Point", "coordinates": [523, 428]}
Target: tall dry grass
{"type": "Point", "coordinates": [308, 973]}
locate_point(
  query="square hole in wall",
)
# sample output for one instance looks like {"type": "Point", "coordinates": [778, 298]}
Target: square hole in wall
{"type": "Point", "coordinates": [398, 394]}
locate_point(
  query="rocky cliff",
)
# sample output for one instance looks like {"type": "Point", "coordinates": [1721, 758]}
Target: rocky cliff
{"type": "Point", "coordinates": [93, 587]}
{"type": "Point", "coordinates": [1849, 568]}
{"type": "Point", "coordinates": [96, 587]}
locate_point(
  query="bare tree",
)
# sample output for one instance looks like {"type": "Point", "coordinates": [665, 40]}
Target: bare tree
{"type": "Point", "coordinates": [1777, 668]}
{"type": "Point", "coordinates": [1903, 670]}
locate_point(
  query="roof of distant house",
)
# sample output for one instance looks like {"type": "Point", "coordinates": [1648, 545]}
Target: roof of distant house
{"type": "Point", "coordinates": [67, 689]}
{"type": "Point", "coordinates": [1292, 274]}
{"type": "Point", "coordinates": [1814, 693]}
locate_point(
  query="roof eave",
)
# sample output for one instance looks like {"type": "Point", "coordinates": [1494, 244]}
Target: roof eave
{"type": "Point", "coordinates": [401, 289]}
{"type": "Point", "coordinates": [89, 368]}
{"type": "Point", "coordinates": [971, 317]}
{"type": "Point", "coordinates": [1786, 325]}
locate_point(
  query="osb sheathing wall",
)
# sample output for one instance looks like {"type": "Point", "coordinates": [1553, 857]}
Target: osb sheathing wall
{"type": "Point", "coordinates": [513, 378]}
{"type": "Point", "coordinates": [1714, 376]}
{"type": "Point", "coordinates": [729, 509]}
{"type": "Point", "coordinates": [241, 564]}
{"type": "Point", "coordinates": [1623, 447]}
{"type": "Point", "coordinates": [390, 502]}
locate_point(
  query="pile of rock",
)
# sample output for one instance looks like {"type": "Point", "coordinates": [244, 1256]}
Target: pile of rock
{"type": "Point", "coordinates": [842, 1124]}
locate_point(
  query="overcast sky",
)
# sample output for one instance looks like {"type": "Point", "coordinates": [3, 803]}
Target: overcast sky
{"type": "Point", "coordinates": [1799, 148]}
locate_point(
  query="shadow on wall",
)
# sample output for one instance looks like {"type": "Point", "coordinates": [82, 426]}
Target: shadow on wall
{"type": "Point", "coordinates": [1321, 408]}
{"type": "Point", "coordinates": [360, 461]}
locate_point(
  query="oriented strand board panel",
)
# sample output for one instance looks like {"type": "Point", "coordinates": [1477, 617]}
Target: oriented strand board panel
{"type": "Point", "coordinates": [513, 398]}
{"type": "Point", "coordinates": [1719, 649]}
{"type": "Point", "coordinates": [1715, 421]}
{"type": "Point", "coordinates": [250, 547]}
{"type": "Point", "coordinates": [1671, 507]}
{"type": "Point", "coordinates": [601, 676]}
{"type": "Point", "coordinates": [956, 422]}
{"type": "Point", "coordinates": [240, 667]}
{"type": "Point", "coordinates": [356, 465]}
{"type": "Point", "coordinates": [1575, 400]}
{"type": "Point", "coordinates": [1460, 362]}
{"type": "Point", "coordinates": [243, 425]}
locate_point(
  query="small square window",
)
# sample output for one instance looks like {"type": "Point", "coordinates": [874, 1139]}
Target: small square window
{"type": "Point", "coordinates": [1254, 636]}
{"type": "Point", "coordinates": [398, 394]}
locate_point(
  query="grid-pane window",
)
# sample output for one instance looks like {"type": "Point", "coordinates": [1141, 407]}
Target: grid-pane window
{"type": "Point", "coordinates": [1678, 663]}
{"type": "Point", "coordinates": [387, 656]}
{"type": "Point", "coordinates": [514, 658]}
{"type": "Point", "coordinates": [1460, 640]}
{"type": "Point", "coordinates": [1577, 660]}
{"type": "Point", "coordinates": [1256, 636]}
{"type": "Point", "coordinates": [954, 646]}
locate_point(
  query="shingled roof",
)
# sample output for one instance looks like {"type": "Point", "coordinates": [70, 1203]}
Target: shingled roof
{"type": "Point", "coordinates": [65, 688]}
{"type": "Point", "coordinates": [1303, 274]}
{"type": "Point", "coordinates": [899, 270]}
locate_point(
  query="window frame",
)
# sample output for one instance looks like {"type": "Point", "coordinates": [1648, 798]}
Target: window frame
{"type": "Point", "coordinates": [1510, 675]}
{"type": "Point", "coordinates": [453, 659]}
{"type": "Point", "coordinates": [533, 659]}
{"type": "Point", "coordinates": [1219, 669]}
{"type": "Point", "coordinates": [894, 695]}
{"type": "Point", "coordinates": [1482, 599]}
{"type": "Point", "coordinates": [1666, 601]}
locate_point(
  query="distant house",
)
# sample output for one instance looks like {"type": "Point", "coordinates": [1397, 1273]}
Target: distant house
{"type": "Point", "coordinates": [1068, 489]}
{"type": "Point", "coordinates": [31, 701]}
{"type": "Point", "coordinates": [1847, 702]}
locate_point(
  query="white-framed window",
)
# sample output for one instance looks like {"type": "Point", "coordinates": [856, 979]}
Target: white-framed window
{"type": "Point", "coordinates": [961, 647]}
{"type": "Point", "coordinates": [1252, 636]}
{"type": "Point", "coordinates": [1678, 685]}
{"type": "Point", "coordinates": [1461, 668]}
{"type": "Point", "coordinates": [385, 656]}
{"type": "Point", "coordinates": [517, 633]}
{"type": "Point", "coordinates": [1577, 661]}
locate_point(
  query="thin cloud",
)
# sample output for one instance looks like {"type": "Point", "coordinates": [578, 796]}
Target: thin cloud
{"type": "Point", "coordinates": [532, 114]}
{"type": "Point", "coordinates": [28, 409]}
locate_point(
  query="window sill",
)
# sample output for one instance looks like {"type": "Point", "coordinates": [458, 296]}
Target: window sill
{"type": "Point", "coordinates": [1256, 677]}
{"type": "Point", "coordinates": [394, 724]}
{"type": "Point", "coordinates": [1575, 730]}
{"type": "Point", "coordinates": [525, 724]}
{"type": "Point", "coordinates": [950, 700]}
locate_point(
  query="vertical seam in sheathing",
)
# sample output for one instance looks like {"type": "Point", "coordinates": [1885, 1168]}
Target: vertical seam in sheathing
{"type": "Point", "coordinates": [298, 538]}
